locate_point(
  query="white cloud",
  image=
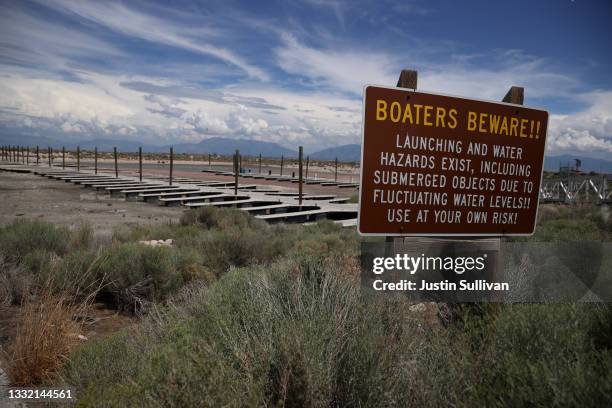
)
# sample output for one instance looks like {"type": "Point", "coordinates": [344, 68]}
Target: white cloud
{"type": "Point", "coordinates": [344, 70]}
{"type": "Point", "coordinates": [588, 131]}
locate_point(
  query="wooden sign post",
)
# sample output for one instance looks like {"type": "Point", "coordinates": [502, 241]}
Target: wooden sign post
{"type": "Point", "coordinates": [236, 171]}
{"type": "Point", "coordinates": [300, 154]}
{"type": "Point", "coordinates": [336, 171]}
{"type": "Point", "coordinates": [116, 166]}
{"type": "Point", "coordinates": [171, 165]}
{"type": "Point", "coordinates": [140, 164]}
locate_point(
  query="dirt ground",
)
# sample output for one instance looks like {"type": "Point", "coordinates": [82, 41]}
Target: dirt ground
{"type": "Point", "coordinates": [35, 197]}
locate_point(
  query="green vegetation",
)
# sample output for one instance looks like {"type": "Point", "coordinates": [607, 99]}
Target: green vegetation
{"type": "Point", "coordinates": [131, 275]}
{"type": "Point", "coordinates": [251, 314]}
{"type": "Point", "coordinates": [573, 223]}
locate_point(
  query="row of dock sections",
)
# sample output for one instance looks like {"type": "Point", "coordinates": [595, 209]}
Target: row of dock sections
{"type": "Point", "coordinates": [266, 202]}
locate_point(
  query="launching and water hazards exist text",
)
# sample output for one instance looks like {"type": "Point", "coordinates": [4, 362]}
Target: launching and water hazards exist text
{"type": "Point", "coordinates": [441, 165]}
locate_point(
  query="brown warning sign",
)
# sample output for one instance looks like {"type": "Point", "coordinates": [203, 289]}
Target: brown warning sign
{"type": "Point", "coordinates": [441, 165]}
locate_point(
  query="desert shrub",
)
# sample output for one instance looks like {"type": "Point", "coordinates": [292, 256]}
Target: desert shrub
{"type": "Point", "coordinates": [132, 276]}
{"type": "Point", "coordinates": [45, 334]}
{"type": "Point", "coordinates": [37, 261]}
{"type": "Point", "coordinates": [189, 262]}
{"type": "Point", "coordinates": [16, 280]}
{"type": "Point", "coordinates": [135, 274]}
{"type": "Point", "coordinates": [523, 355]}
{"type": "Point", "coordinates": [24, 236]}
{"type": "Point", "coordinates": [598, 320]}
{"type": "Point", "coordinates": [74, 275]}
{"type": "Point", "coordinates": [571, 223]}
{"type": "Point", "coordinates": [293, 333]}
{"type": "Point", "coordinates": [221, 218]}
{"type": "Point", "coordinates": [284, 323]}
{"type": "Point", "coordinates": [321, 239]}
{"type": "Point", "coordinates": [15, 284]}
{"type": "Point", "coordinates": [82, 236]}
{"type": "Point", "coordinates": [224, 249]}
{"type": "Point", "coordinates": [568, 230]}
{"type": "Point", "coordinates": [547, 212]}
{"type": "Point", "coordinates": [189, 217]}
{"type": "Point", "coordinates": [602, 216]}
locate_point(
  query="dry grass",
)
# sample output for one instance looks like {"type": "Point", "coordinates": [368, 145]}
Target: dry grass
{"type": "Point", "coordinates": [46, 332]}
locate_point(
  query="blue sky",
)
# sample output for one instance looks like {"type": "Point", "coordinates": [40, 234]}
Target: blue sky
{"type": "Point", "coordinates": [293, 72]}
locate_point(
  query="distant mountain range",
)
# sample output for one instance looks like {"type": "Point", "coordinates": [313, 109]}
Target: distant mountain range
{"type": "Point", "coordinates": [346, 153]}
{"type": "Point", "coordinates": [215, 145]}
{"type": "Point", "coordinates": [227, 146]}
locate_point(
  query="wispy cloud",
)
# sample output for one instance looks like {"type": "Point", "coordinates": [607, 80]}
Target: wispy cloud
{"type": "Point", "coordinates": [31, 41]}
{"type": "Point", "coordinates": [343, 70]}
{"type": "Point", "coordinates": [411, 8]}
{"type": "Point", "coordinates": [336, 6]}
{"type": "Point", "coordinates": [127, 21]}
{"type": "Point", "coordinates": [349, 70]}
